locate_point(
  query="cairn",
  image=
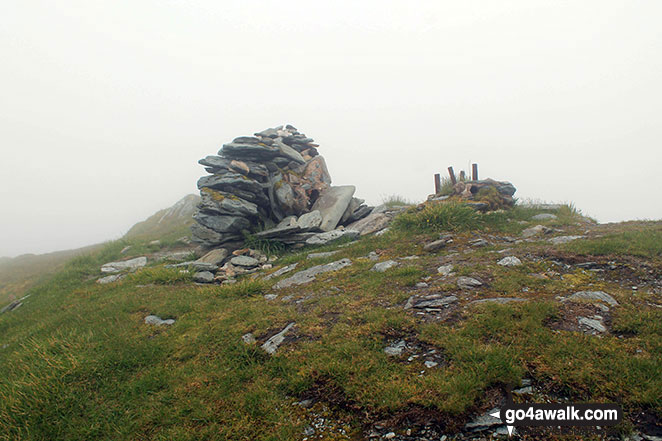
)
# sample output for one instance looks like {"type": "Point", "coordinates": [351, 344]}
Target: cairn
{"type": "Point", "coordinates": [274, 185]}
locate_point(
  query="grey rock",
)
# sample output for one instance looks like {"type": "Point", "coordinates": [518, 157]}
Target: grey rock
{"type": "Point", "coordinates": [308, 275]}
{"type": "Point", "coordinates": [499, 300]}
{"type": "Point", "coordinates": [248, 339]}
{"type": "Point", "coordinates": [544, 216]}
{"type": "Point", "coordinates": [321, 255]}
{"type": "Point", "coordinates": [270, 296]}
{"type": "Point", "coordinates": [599, 296]}
{"type": "Point", "coordinates": [536, 231]}
{"type": "Point", "coordinates": [479, 243]}
{"type": "Point", "coordinates": [436, 245]}
{"type": "Point", "coordinates": [203, 277]}
{"type": "Point", "coordinates": [372, 223]}
{"type": "Point", "coordinates": [445, 270]}
{"type": "Point", "coordinates": [332, 236]}
{"type": "Point", "coordinates": [354, 204]}
{"type": "Point", "coordinates": [484, 422]}
{"type": "Point", "coordinates": [229, 182]}
{"type": "Point", "coordinates": [509, 261]}
{"type": "Point", "coordinates": [468, 282]}
{"type": "Point", "coordinates": [564, 239]}
{"type": "Point", "coordinates": [280, 272]}
{"type": "Point", "coordinates": [527, 390]}
{"type": "Point", "coordinates": [592, 324]}
{"type": "Point", "coordinates": [435, 303]}
{"type": "Point", "coordinates": [214, 257]}
{"type": "Point", "coordinates": [372, 255]}
{"type": "Point", "coordinates": [203, 266]}
{"type": "Point", "coordinates": [251, 151]}
{"type": "Point", "coordinates": [131, 264]}
{"type": "Point", "coordinates": [209, 237]}
{"type": "Point", "coordinates": [156, 320]}
{"type": "Point", "coordinates": [309, 221]}
{"type": "Point", "coordinates": [245, 261]}
{"type": "Point", "coordinates": [396, 349]}
{"type": "Point", "coordinates": [220, 202]}
{"type": "Point", "coordinates": [110, 279]}
{"type": "Point", "coordinates": [383, 266]}
{"type": "Point", "coordinates": [421, 285]}
{"type": "Point", "coordinates": [271, 345]}
{"type": "Point", "coordinates": [430, 364]}
{"type": "Point", "coordinates": [332, 203]}
{"type": "Point", "coordinates": [288, 152]}
{"type": "Point", "coordinates": [222, 223]}
{"type": "Point", "coordinates": [287, 222]}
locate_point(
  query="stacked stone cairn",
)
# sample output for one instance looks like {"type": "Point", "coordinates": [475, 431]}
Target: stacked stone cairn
{"type": "Point", "coordinates": [273, 186]}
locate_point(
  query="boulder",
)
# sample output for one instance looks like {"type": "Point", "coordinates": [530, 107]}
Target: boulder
{"type": "Point", "coordinates": [125, 265]}
{"type": "Point", "coordinates": [214, 257]}
{"type": "Point", "coordinates": [309, 221]}
{"type": "Point", "coordinates": [332, 236]}
{"type": "Point", "coordinates": [383, 266]}
{"type": "Point", "coordinates": [332, 203]}
{"type": "Point", "coordinates": [308, 275]}
{"type": "Point", "coordinates": [203, 277]}
{"type": "Point", "coordinates": [372, 223]}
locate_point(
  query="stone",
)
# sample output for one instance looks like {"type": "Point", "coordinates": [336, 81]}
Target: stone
{"type": "Point", "coordinates": [321, 255]}
{"type": "Point", "coordinates": [421, 285]}
{"type": "Point", "coordinates": [157, 321]}
{"type": "Point", "coordinates": [214, 257]}
{"type": "Point", "coordinates": [509, 261]}
{"type": "Point", "coordinates": [479, 243]}
{"type": "Point", "coordinates": [499, 300]}
{"type": "Point", "coordinates": [248, 339]}
{"type": "Point", "coordinates": [281, 271]}
{"type": "Point", "coordinates": [309, 221]}
{"type": "Point", "coordinates": [468, 282]}
{"type": "Point", "coordinates": [430, 364]}
{"type": "Point", "coordinates": [332, 203]}
{"type": "Point", "coordinates": [245, 261]}
{"type": "Point", "coordinates": [396, 349]}
{"type": "Point", "coordinates": [288, 152]}
{"type": "Point", "coordinates": [332, 236]}
{"type": "Point", "coordinates": [435, 246]}
{"type": "Point", "coordinates": [484, 422]}
{"type": "Point", "coordinates": [130, 265]}
{"type": "Point", "coordinates": [220, 202]}
{"type": "Point", "coordinates": [255, 152]}
{"type": "Point", "coordinates": [270, 296]}
{"type": "Point", "coordinates": [354, 204]}
{"type": "Point", "coordinates": [308, 275]}
{"type": "Point", "coordinates": [372, 255]}
{"type": "Point", "coordinates": [223, 223]}
{"type": "Point", "coordinates": [445, 270]}
{"type": "Point", "coordinates": [435, 303]}
{"type": "Point", "coordinates": [599, 296]}
{"type": "Point", "coordinates": [564, 239]}
{"type": "Point", "coordinates": [383, 266]}
{"type": "Point", "coordinates": [544, 216]}
{"type": "Point", "coordinates": [204, 266]}
{"type": "Point", "coordinates": [372, 223]}
{"type": "Point", "coordinates": [271, 345]}
{"type": "Point", "coordinates": [203, 277]}
{"type": "Point", "coordinates": [592, 324]}
{"type": "Point", "coordinates": [316, 176]}
{"type": "Point", "coordinates": [109, 279]}
{"type": "Point", "coordinates": [535, 231]}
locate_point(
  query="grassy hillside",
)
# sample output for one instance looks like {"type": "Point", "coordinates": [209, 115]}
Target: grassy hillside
{"type": "Point", "coordinates": [78, 362]}
{"type": "Point", "coordinates": [19, 274]}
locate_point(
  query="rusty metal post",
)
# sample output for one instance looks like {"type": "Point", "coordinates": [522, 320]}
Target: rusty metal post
{"type": "Point", "coordinates": [452, 175]}
{"type": "Point", "coordinates": [463, 177]}
{"type": "Point", "coordinates": [437, 183]}
{"type": "Point", "coordinates": [474, 172]}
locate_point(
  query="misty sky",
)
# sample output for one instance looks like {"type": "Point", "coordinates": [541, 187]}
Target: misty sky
{"type": "Point", "coordinates": [106, 106]}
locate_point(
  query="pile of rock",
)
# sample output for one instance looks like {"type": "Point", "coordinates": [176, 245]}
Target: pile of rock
{"type": "Point", "coordinates": [483, 195]}
{"type": "Point", "coordinates": [276, 185]}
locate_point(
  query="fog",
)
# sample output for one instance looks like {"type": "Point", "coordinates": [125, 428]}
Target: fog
{"type": "Point", "coordinates": [105, 107]}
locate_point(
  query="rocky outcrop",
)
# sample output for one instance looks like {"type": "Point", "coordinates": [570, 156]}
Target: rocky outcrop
{"type": "Point", "coordinates": [275, 185]}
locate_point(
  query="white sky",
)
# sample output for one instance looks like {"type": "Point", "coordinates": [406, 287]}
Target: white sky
{"type": "Point", "coordinates": [106, 106]}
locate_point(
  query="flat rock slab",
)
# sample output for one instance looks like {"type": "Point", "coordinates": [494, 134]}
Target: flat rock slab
{"type": "Point", "coordinates": [383, 266]}
{"type": "Point", "coordinates": [435, 303]}
{"type": "Point", "coordinates": [499, 300]}
{"type": "Point", "coordinates": [309, 221]}
{"type": "Point", "coordinates": [592, 324]}
{"type": "Point", "coordinates": [332, 204]}
{"type": "Point", "coordinates": [468, 282]}
{"type": "Point", "coordinates": [509, 261]}
{"type": "Point", "coordinates": [321, 255]}
{"type": "Point", "coordinates": [436, 245]}
{"type": "Point", "coordinates": [158, 321]}
{"type": "Point", "coordinates": [564, 239]}
{"type": "Point", "coordinates": [308, 275]}
{"type": "Point", "coordinates": [445, 270]}
{"type": "Point", "coordinates": [116, 267]}
{"type": "Point", "coordinates": [271, 345]}
{"type": "Point", "coordinates": [395, 349]}
{"type": "Point", "coordinates": [214, 257]}
{"type": "Point", "coordinates": [372, 223]}
{"type": "Point", "coordinates": [245, 261]}
{"type": "Point", "coordinates": [332, 236]}
{"type": "Point", "coordinates": [110, 279]}
{"type": "Point", "coordinates": [484, 422]}
{"type": "Point", "coordinates": [536, 231]}
{"type": "Point", "coordinates": [599, 296]}
{"type": "Point", "coordinates": [280, 272]}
